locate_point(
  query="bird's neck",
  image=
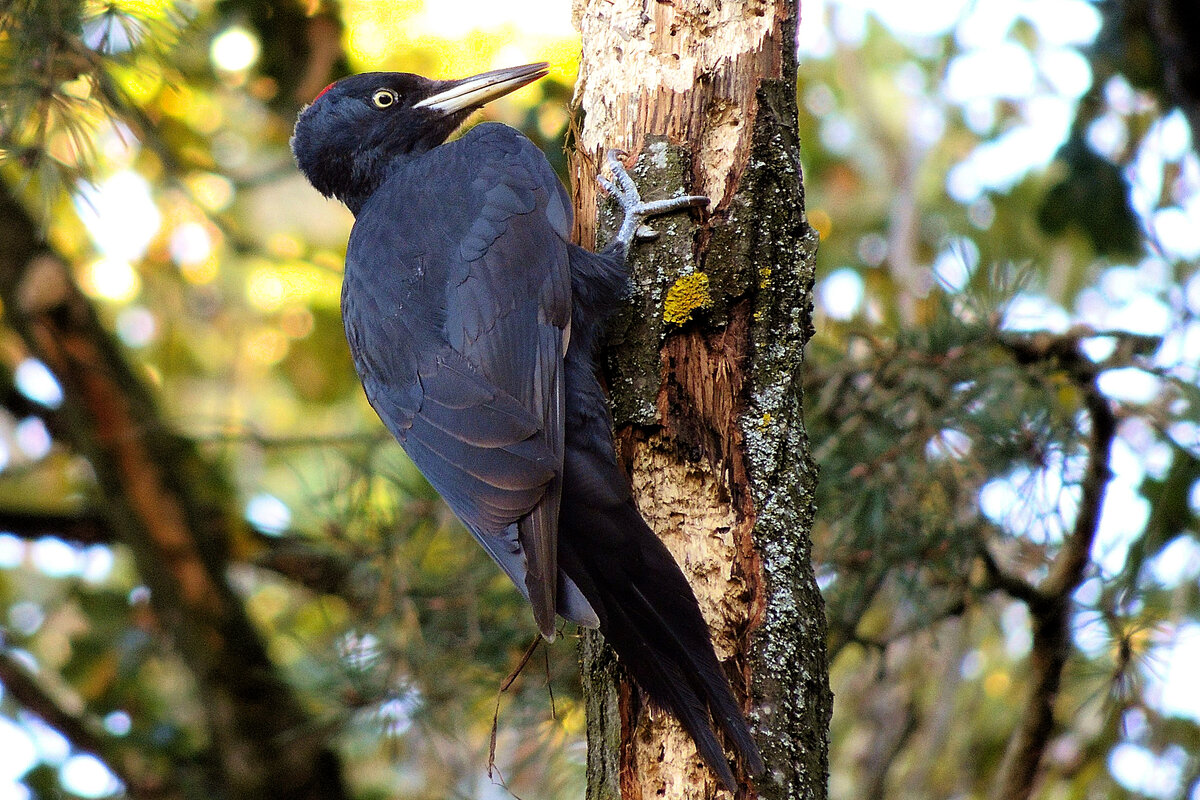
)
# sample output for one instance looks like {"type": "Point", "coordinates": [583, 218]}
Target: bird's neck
{"type": "Point", "coordinates": [352, 177]}
{"type": "Point", "coordinates": [368, 174]}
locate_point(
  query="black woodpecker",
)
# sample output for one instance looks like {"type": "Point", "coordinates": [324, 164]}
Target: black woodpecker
{"type": "Point", "coordinates": [473, 322]}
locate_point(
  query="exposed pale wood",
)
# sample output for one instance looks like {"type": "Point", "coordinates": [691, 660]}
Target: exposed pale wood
{"type": "Point", "coordinates": [687, 70]}
{"type": "Point", "coordinates": [687, 505]}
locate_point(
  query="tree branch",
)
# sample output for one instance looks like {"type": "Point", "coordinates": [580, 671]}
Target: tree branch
{"type": "Point", "coordinates": [23, 687]}
{"type": "Point", "coordinates": [84, 527]}
{"type": "Point", "coordinates": [319, 570]}
{"type": "Point", "coordinates": [293, 557]}
{"type": "Point", "coordinates": [21, 406]}
{"type": "Point", "coordinates": [1050, 605]}
{"type": "Point", "coordinates": [890, 738]}
{"type": "Point", "coordinates": [1012, 585]}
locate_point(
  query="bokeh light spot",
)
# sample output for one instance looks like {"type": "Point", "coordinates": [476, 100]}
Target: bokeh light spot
{"type": "Point", "coordinates": [191, 243]}
{"type": "Point", "coordinates": [268, 513]}
{"type": "Point", "coordinates": [86, 776]}
{"type": "Point", "coordinates": [19, 754]}
{"type": "Point", "coordinates": [201, 273]}
{"type": "Point", "coordinates": [214, 192]}
{"type": "Point", "coordinates": [136, 326]}
{"type": "Point", "coordinates": [37, 383]}
{"type": "Point", "coordinates": [1144, 772]}
{"type": "Point", "coordinates": [111, 279]}
{"type": "Point", "coordinates": [234, 49]}
{"type": "Point", "coordinates": [26, 617]}
{"type": "Point", "coordinates": [120, 215]}
{"type": "Point", "coordinates": [841, 294]}
{"type": "Point", "coordinates": [997, 683]}
{"type": "Point", "coordinates": [118, 723]}
{"type": "Point", "coordinates": [1129, 384]}
{"type": "Point", "coordinates": [264, 289]}
{"type": "Point", "coordinates": [267, 346]}
{"type": "Point", "coordinates": [955, 265]}
{"type": "Point", "coordinates": [297, 322]}
{"type": "Point", "coordinates": [56, 558]}
{"type": "Point", "coordinates": [33, 438]}
{"type": "Point", "coordinates": [98, 562]}
{"type": "Point", "coordinates": [12, 553]}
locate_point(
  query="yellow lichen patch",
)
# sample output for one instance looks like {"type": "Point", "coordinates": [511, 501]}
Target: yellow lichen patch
{"type": "Point", "coordinates": [686, 295]}
{"type": "Point", "coordinates": [764, 277]}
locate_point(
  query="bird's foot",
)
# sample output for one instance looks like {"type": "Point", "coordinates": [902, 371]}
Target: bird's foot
{"type": "Point", "coordinates": [636, 210]}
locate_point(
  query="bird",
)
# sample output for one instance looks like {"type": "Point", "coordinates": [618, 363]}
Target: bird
{"type": "Point", "coordinates": [473, 322]}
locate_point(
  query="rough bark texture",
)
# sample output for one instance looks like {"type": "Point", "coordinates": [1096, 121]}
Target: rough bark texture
{"type": "Point", "coordinates": [704, 372]}
{"type": "Point", "coordinates": [169, 506]}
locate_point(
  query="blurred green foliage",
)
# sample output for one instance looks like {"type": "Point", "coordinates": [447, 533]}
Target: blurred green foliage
{"type": "Point", "coordinates": [940, 448]}
{"type": "Point", "coordinates": [222, 286]}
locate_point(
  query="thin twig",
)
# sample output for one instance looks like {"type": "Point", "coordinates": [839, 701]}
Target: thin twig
{"type": "Point", "coordinates": [504, 687]}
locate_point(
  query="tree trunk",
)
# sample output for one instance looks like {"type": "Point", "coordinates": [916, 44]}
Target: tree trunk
{"type": "Point", "coordinates": [704, 373]}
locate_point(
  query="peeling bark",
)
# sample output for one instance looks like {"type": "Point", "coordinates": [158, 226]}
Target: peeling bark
{"type": "Point", "coordinates": [684, 70]}
{"type": "Point", "coordinates": [704, 372]}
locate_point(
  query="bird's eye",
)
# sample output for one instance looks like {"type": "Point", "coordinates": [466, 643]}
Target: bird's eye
{"type": "Point", "coordinates": [384, 98]}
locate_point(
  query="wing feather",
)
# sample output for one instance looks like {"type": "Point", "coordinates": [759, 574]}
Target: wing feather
{"type": "Point", "coordinates": [457, 304]}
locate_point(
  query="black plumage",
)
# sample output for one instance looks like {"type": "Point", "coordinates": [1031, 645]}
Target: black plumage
{"type": "Point", "coordinates": [473, 323]}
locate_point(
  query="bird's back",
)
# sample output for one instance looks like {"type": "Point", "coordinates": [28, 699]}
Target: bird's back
{"type": "Point", "coordinates": [457, 305]}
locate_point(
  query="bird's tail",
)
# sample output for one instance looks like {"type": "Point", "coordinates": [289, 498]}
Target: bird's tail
{"type": "Point", "coordinates": [649, 614]}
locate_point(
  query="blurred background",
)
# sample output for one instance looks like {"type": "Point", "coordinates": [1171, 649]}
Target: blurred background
{"type": "Point", "coordinates": [982, 173]}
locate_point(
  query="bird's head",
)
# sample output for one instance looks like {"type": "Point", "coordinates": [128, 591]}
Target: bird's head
{"type": "Point", "coordinates": [347, 139]}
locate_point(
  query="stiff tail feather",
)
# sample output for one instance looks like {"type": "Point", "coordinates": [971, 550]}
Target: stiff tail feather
{"type": "Point", "coordinates": [649, 614]}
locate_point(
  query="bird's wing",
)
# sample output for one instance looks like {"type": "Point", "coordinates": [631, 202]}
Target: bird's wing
{"type": "Point", "coordinates": [457, 305]}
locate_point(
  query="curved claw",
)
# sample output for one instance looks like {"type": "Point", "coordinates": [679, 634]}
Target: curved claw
{"type": "Point", "coordinates": [625, 191]}
{"type": "Point", "coordinates": [612, 158]}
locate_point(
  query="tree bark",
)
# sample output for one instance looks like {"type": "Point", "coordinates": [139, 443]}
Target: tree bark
{"type": "Point", "coordinates": [704, 373]}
